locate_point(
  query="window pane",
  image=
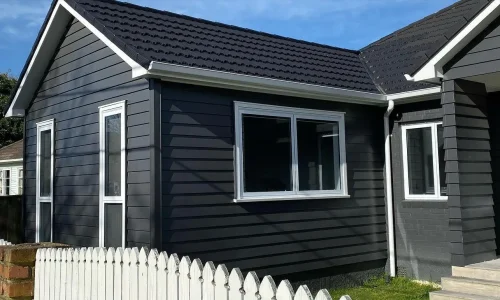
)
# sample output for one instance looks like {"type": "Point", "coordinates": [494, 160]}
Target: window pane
{"type": "Point", "coordinates": [267, 154]}
{"type": "Point", "coordinates": [113, 155]}
{"type": "Point", "coordinates": [45, 162]}
{"type": "Point", "coordinates": [45, 221]}
{"type": "Point", "coordinates": [420, 161]}
{"type": "Point", "coordinates": [442, 174]}
{"type": "Point", "coordinates": [319, 155]}
{"type": "Point", "coordinates": [113, 225]}
{"type": "Point", "coordinates": [7, 182]}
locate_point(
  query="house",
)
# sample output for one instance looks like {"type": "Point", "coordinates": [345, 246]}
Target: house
{"type": "Point", "coordinates": [11, 169]}
{"type": "Point", "coordinates": [148, 128]}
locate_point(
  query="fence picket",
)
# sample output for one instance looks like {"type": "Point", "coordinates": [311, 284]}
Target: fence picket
{"type": "Point", "coordinates": [109, 271]}
{"type": "Point", "coordinates": [162, 276]}
{"type": "Point", "coordinates": [81, 274]}
{"type": "Point", "coordinates": [57, 274]}
{"type": "Point", "coordinates": [142, 287]}
{"type": "Point", "coordinates": [153, 275]}
{"type": "Point", "coordinates": [267, 289]}
{"type": "Point", "coordinates": [119, 275]}
{"type": "Point", "coordinates": [88, 273]}
{"type": "Point", "coordinates": [221, 281]}
{"type": "Point", "coordinates": [52, 274]}
{"type": "Point", "coordinates": [46, 283]}
{"type": "Point", "coordinates": [134, 274]}
{"type": "Point", "coordinates": [73, 286]}
{"type": "Point", "coordinates": [208, 281]}
{"type": "Point", "coordinates": [101, 273]}
{"type": "Point", "coordinates": [196, 282]}
{"type": "Point", "coordinates": [251, 286]}
{"type": "Point", "coordinates": [126, 275]}
{"type": "Point", "coordinates": [323, 295]}
{"type": "Point", "coordinates": [236, 284]}
{"type": "Point", "coordinates": [303, 293]}
{"type": "Point", "coordinates": [173, 277]}
{"type": "Point", "coordinates": [64, 274]}
{"type": "Point", "coordinates": [285, 291]}
{"type": "Point", "coordinates": [39, 275]}
{"type": "Point", "coordinates": [184, 281]}
{"type": "Point", "coordinates": [95, 276]}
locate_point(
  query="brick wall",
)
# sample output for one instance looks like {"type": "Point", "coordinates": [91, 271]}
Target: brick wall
{"type": "Point", "coordinates": [17, 270]}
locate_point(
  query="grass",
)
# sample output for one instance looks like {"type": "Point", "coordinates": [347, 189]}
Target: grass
{"type": "Point", "coordinates": [398, 288]}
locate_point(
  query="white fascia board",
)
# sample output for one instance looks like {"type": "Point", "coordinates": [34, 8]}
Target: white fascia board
{"type": "Point", "coordinates": [55, 29]}
{"type": "Point", "coordinates": [137, 70]}
{"type": "Point", "coordinates": [413, 96]}
{"type": "Point", "coordinates": [11, 160]}
{"type": "Point", "coordinates": [198, 76]}
{"type": "Point", "coordinates": [434, 67]}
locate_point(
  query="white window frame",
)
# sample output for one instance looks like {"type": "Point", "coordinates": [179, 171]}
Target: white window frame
{"type": "Point", "coordinates": [3, 181]}
{"type": "Point", "coordinates": [437, 183]}
{"type": "Point", "coordinates": [105, 111]}
{"type": "Point", "coordinates": [293, 114]}
{"type": "Point", "coordinates": [41, 127]}
{"type": "Point", "coordinates": [20, 181]}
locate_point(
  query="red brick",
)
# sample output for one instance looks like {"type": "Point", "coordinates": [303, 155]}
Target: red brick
{"type": "Point", "coordinates": [15, 272]}
{"type": "Point", "coordinates": [18, 289]}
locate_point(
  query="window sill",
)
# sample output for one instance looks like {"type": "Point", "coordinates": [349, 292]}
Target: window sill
{"type": "Point", "coordinates": [290, 198]}
{"type": "Point", "coordinates": [427, 200]}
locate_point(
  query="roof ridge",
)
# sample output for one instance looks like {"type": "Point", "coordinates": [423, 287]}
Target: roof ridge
{"type": "Point", "coordinates": [262, 33]}
{"type": "Point", "coordinates": [411, 25]}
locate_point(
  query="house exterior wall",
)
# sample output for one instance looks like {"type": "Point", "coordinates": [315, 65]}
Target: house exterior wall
{"type": "Point", "coordinates": [494, 131]}
{"type": "Point", "coordinates": [312, 237]}
{"type": "Point", "coordinates": [14, 168]}
{"type": "Point", "coordinates": [481, 56]}
{"type": "Point", "coordinates": [83, 75]}
{"type": "Point", "coordinates": [421, 227]}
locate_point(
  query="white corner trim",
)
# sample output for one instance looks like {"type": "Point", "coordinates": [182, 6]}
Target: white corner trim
{"type": "Point", "coordinates": [434, 67]}
{"type": "Point", "coordinates": [137, 70]}
{"type": "Point", "coordinates": [11, 161]}
{"type": "Point", "coordinates": [199, 76]}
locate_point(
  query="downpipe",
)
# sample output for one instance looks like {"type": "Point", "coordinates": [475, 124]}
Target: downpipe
{"type": "Point", "coordinates": [388, 190]}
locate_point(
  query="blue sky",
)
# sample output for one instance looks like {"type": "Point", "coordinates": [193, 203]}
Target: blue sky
{"type": "Point", "coordinates": [343, 23]}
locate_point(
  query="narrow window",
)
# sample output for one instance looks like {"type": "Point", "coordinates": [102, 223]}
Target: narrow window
{"type": "Point", "coordinates": [44, 181]}
{"type": "Point", "coordinates": [6, 178]}
{"type": "Point", "coordinates": [112, 175]}
{"type": "Point", "coordinates": [287, 153]}
{"type": "Point", "coordinates": [1, 184]}
{"type": "Point", "coordinates": [20, 183]}
{"type": "Point", "coordinates": [423, 161]}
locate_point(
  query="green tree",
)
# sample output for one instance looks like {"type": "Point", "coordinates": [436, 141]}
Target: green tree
{"type": "Point", "coordinates": [11, 129]}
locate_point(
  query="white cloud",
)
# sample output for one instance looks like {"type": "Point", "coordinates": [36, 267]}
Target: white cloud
{"type": "Point", "coordinates": [20, 19]}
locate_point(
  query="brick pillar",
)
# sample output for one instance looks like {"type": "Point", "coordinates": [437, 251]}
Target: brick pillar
{"type": "Point", "coordinates": [468, 172]}
{"type": "Point", "coordinates": [17, 270]}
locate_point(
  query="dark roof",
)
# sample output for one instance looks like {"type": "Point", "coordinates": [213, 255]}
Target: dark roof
{"type": "Point", "coordinates": [154, 35]}
{"type": "Point", "coordinates": [408, 49]}
{"type": "Point", "coordinates": [12, 151]}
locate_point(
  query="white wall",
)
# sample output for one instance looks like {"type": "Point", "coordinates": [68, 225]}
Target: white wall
{"type": "Point", "coordinates": [14, 168]}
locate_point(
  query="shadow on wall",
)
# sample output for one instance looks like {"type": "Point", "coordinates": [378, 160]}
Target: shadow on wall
{"type": "Point", "coordinates": [11, 228]}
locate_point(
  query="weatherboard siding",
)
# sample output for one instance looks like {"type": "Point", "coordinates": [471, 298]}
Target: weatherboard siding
{"type": "Point", "coordinates": [278, 237]}
{"type": "Point", "coordinates": [84, 75]}
{"type": "Point", "coordinates": [421, 227]}
{"type": "Point", "coordinates": [481, 56]}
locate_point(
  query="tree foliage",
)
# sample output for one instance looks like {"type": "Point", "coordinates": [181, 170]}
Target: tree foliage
{"type": "Point", "coordinates": [11, 129]}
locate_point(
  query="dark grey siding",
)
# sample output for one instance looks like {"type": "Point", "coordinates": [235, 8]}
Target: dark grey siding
{"type": "Point", "coordinates": [494, 106]}
{"type": "Point", "coordinates": [422, 246]}
{"type": "Point", "coordinates": [280, 237]}
{"type": "Point", "coordinates": [468, 172]}
{"type": "Point", "coordinates": [481, 56]}
{"type": "Point", "coordinates": [84, 75]}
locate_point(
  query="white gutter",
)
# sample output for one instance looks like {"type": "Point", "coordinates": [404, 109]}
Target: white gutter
{"type": "Point", "coordinates": [388, 190]}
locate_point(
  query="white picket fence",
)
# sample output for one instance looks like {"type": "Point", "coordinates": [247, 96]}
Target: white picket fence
{"type": "Point", "coordinates": [130, 274]}
{"type": "Point", "coordinates": [4, 243]}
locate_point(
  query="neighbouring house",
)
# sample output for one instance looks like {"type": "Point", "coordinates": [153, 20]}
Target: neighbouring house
{"type": "Point", "coordinates": [148, 128]}
{"type": "Point", "coordinates": [11, 169]}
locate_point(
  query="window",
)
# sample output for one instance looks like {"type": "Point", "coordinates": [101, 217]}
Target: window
{"type": "Point", "coordinates": [5, 182]}
{"type": "Point", "coordinates": [288, 153]}
{"type": "Point", "coordinates": [112, 175]}
{"type": "Point", "coordinates": [423, 161]}
{"type": "Point", "coordinates": [44, 180]}
{"type": "Point", "coordinates": [20, 182]}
